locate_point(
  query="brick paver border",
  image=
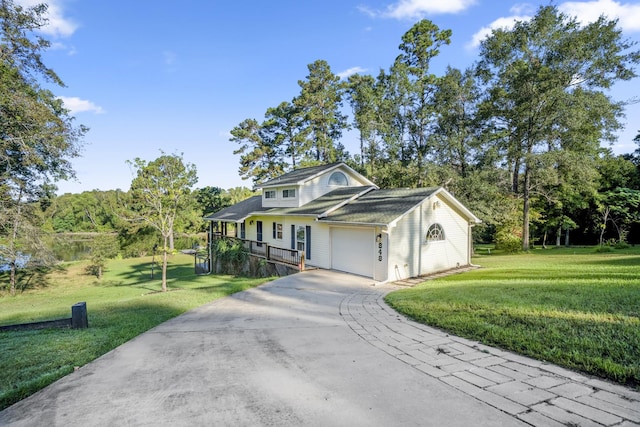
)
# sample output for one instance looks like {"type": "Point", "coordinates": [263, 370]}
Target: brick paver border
{"type": "Point", "coordinates": [535, 392]}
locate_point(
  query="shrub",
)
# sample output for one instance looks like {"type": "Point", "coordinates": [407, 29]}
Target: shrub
{"type": "Point", "coordinates": [508, 242]}
{"type": "Point", "coordinates": [622, 245]}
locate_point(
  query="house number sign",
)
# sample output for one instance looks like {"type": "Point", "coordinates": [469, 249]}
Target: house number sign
{"type": "Point", "coordinates": [379, 243]}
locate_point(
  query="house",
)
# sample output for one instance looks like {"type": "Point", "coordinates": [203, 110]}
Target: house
{"type": "Point", "coordinates": [338, 219]}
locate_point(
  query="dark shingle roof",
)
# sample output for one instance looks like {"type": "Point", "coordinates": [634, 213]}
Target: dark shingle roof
{"type": "Point", "coordinates": [323, 203]}
{"type": "Point", "coordinates": [298, 175]}
{"type": "Point", "coordinates": [239, 211]}
{"type": "Point", "coordinates": [380, 206]}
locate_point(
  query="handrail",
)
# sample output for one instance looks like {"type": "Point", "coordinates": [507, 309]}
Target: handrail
{"type": "Point", "coordinates": [264, 250]}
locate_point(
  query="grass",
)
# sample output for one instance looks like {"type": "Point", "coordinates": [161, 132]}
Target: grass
{"type": "Point", "coordinates": [120, 306]}
{"type": "Point", "coordinates": [572, 307]}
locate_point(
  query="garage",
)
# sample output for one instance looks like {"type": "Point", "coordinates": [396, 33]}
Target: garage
{"type": "Point", "coordinates": [352, 250]}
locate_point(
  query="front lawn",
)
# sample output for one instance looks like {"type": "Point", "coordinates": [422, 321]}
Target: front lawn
{"type": "Point", "coordinates": [120, 306]}
{"type": "Point", "coordinates": [571, 307]}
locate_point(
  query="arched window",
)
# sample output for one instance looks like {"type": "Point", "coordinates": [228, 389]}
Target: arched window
{"type": "Point", "coordinates": [435, 233]}
{"type": "Point", "coordinates": [338, 179]}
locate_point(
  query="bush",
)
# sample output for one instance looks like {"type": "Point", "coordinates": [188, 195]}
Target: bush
{"type": "Point", "coordinates": [230, 251]}
{"type": "Point", "coordinates": [507, 242]}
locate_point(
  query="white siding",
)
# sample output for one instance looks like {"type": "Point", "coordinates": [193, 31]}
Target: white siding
{"type": "Point", "coordinates": [279, 201]}
{"type": "Point", "coordinates": [404, 247]}
{"type": "Point", "coordinates": [381, 256]}
{"type": "Point", "coordinates": [319, 186]}
{"type": "Point", "coordinates": [409, 252]}
{"type": "Point", "coordinates": [320, 246]}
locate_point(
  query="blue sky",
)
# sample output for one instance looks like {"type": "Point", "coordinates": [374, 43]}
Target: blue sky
{"type": "Point", "coordinates": [177, 76]}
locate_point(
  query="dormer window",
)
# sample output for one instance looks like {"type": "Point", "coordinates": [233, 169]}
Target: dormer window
{"type": "Point", "coordinates": [270, 194]}
{"type": "Point", "coordinates": [289, 193]}
{"type": "Point", "coordinates": [338, 179]}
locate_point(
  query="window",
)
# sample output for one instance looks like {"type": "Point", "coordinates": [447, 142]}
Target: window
{"type": "Point", "coordinates": [300, 238]}
{"type": "Point", "coordinates": [289, 193]}
{"type": "Point", "coordinates": [259, 231]}
{"type": "Point", "coordinates": [277, 231]}
{"type": "Point", "coordinates": [270, 194]}
{"type": "Point", "coordinates": [338, 179]}
{"type": "Point", "coordinates": [243, 230]}
{"type": "Point", "coordinates": [435, 233]}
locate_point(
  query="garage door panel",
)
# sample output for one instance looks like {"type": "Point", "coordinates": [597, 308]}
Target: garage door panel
{"type": "Point", "coordinates": [352, 250]}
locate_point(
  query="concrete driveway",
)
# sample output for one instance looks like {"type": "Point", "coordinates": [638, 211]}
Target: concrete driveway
{"type": "Point", "coordinates": [286, 353]}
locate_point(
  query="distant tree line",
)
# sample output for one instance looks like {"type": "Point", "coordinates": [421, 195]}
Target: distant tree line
{"type": "Point", "coordinates": [517, 137]}
{"type": "Point", "coordinates": [111, 211]}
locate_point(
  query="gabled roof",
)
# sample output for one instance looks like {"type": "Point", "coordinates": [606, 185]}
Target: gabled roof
{"type": "Point", "coordinates": [364, 205]}
{"type": "Point", "coordinates": [239, 211]}
{"type": "Point", "coordinates": [380, 207]}
{"type": "Point", "coordinates": [323, 204]}
{"type": "Point", "coordinates": [300, 176]}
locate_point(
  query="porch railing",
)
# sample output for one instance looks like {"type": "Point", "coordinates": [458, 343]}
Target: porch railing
{"type": "Point", "coordinates": [272, 253]}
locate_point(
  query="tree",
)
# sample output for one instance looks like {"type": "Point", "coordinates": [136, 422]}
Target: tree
{"type": "Point", "coordinates": [238, 194]}
{"type": "Point", "coordinates": [159, 192]}
{"type": "Point", "coordinates": [621, 207]}
{"type": "Point", "coordinates": [320, 103]}
{"type": "Point", "coordinates": [261, 156]}
{"type": "Point", "coordinates": [545, 79]}
{"type": "Point", "coordinates": [211, 199]}
{"type": "Point", "coordinates": [286, 125]}
{"type": "Point", "coordinates": [37, 135]}
{"type": "Point", "coordinates": [103, 247]}
{"type": "Point", "coordinates": [419, 46]}
{"type": "Point", "coordinates": [366, 96]}
{"type": "Point", "coordinates": [457, 139]}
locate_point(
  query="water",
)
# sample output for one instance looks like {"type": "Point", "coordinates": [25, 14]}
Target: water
{"type": "Point", "coordinates": [71, 248]}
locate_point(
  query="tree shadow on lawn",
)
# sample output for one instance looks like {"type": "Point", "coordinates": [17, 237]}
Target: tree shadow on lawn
{"type": "Point", "coordinates": [140, 276]}
{"type": "Point", "coordinates": [618, 261]}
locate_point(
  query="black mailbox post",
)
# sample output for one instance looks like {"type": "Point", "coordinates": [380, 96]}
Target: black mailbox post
{"type": "Point", "coordinates": [79, 318]}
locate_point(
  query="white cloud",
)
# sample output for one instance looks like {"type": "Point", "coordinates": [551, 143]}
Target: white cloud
{"type": "Point", "coordinates": [58, 25]}
{"type": "Point", "coordinates": [351, 71]}
{"type": "Point", "coordinates": [628, 14]}
{"type": "Point", "coordinates": [77, 105]}
{"type": "Point", "coordinates": [506, 23]}
{"type": "Point", "coordinates": [71, 50]}
{"type": "Point", "coordinates": [416, 9]}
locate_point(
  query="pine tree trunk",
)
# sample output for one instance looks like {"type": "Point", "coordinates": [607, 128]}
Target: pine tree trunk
{"type": "Point", "coordinates": [525, 208]}
{"type": "Point", "coordinates": [164, 265]}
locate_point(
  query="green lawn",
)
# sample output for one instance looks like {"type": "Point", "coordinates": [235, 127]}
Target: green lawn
{"type": "Point", "coordinates": [123, 304]}
{"type": "Point", "coordinates": [572, 307]}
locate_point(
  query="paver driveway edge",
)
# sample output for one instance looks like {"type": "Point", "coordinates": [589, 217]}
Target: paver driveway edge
{"type": "Point", "coordinates": [535, 392]}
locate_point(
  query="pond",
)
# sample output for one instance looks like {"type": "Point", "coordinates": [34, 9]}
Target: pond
{"type": "Point", "coordinates": [76, 247]}
{"type": "Point", "coordinates": [72, 248]}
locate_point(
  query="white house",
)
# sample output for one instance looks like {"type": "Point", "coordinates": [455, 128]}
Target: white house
{"type": "Point", "coordinates": [340, 220]}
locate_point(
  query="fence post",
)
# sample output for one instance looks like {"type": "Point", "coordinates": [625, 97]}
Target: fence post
{"type": "Point", "coordinates": [79, 318]}
{"type": "Point", "coordinates": [301, 262]}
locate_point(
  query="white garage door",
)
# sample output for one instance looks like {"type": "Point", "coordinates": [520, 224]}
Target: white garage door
{"type": "Point", "coordinates": [352, 250]}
